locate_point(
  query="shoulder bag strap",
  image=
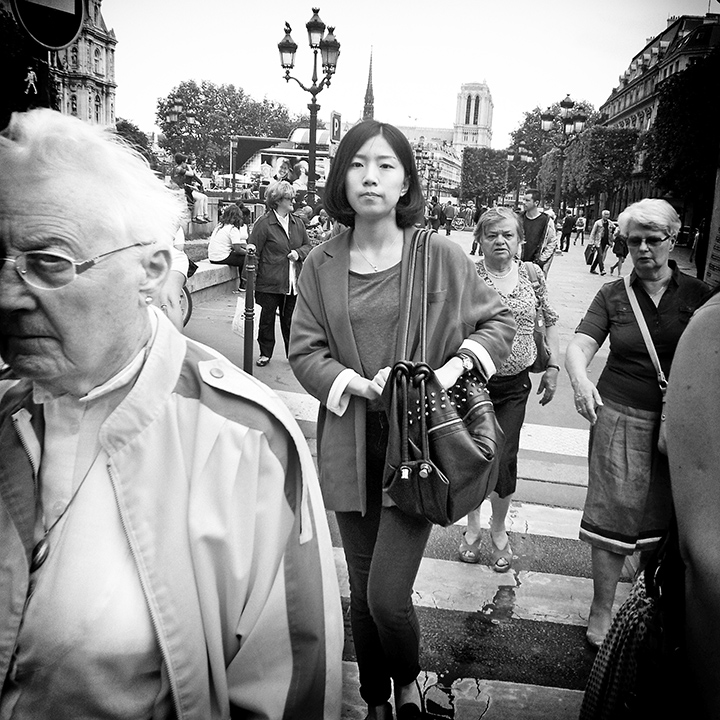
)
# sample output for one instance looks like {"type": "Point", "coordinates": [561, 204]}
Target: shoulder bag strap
{"type": "Point", "coordinates": [640, 318]}
{"type": "Point", "coordinates": [424, 296]}
{"type": "Point", "coordinates": [408, 294]}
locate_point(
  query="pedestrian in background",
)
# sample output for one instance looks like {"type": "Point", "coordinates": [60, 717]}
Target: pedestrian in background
{"type": "Point", "coordinates": [567, 227]}
{"type": "Point", "coordinates": [499, 233]}
{"type": "Point", "coordinates": [620, 250]}
{"type": "Point", "coordinates": [281, 243]}
{"type": "Point", "coordinates": [600, 237]}
{"type": "Point", "coordinates": [449, 213]}
{"type": "Point", "coordinates": [344, 342]}
{"type": "Point", "coordinates": [580, 229]}
{"type": "Point", "coordinates": [228, 242]}
{"type": "Point", "coordinates": [538, 231]}
{"type": "Point", "coordinates": [628, 501]}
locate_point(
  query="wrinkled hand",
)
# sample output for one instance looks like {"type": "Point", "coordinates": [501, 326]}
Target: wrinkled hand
{"type": "Point", "coordinates": [548, 385]}
{"type": "Point", "coordinates": [293, 255]}
{"type": "Point", "coordinates": [587, 400]}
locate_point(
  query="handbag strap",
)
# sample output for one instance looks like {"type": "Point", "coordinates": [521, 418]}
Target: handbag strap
{"type": "Point", "coordinates": [640, 318]}
{"type": "Point", "coordinates": [419, 235]}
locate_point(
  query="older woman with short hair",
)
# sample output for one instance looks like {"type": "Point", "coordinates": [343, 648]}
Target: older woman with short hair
{"type": "Point", "coordinates": [521, 285]}
{"type": "Point", "coordinates": [628, 502]}
{"type": "Point", "coordinates": [282, 244]}
{"type": "Point", "coordinates": [161, 531]}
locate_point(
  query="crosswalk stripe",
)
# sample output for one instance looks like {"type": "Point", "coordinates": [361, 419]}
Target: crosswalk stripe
{"type": "Point", "coordinates": [531, 519]}
{"type": "Point", "coordinates": [476, 698]}
{"type": "Point", "coordinates": [453, 585]}
{"type": "Point", "coordinates": [572, 442]}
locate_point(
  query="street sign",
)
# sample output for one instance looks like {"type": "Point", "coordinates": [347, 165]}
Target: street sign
{"type": "Point", "coordinates": [335, 127]}
{"type": "Point", "coordinates": [54, 24]}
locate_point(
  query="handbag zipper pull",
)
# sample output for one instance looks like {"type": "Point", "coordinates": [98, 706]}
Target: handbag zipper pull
{"type": "Point", "coordinates": [425, 470]}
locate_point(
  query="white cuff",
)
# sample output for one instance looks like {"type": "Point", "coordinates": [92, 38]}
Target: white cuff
{"type": "Point", "coordinates": [338, 399]}
{"type": "Point", "coordinates": [483, 356]}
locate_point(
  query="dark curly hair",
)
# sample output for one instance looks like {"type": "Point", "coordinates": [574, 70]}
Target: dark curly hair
{"type": "Point", "coordinates": [410, 206]}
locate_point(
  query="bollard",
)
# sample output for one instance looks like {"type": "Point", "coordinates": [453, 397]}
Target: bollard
{"type": "Point", "coordinates": [250, 271]}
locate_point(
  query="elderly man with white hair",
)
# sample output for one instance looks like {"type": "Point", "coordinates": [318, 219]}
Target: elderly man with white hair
{"type": "Point", "coordinates": [165, 552]}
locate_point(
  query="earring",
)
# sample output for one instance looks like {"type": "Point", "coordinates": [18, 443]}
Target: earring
{"type": "Point", "coordinates": [148, 300]}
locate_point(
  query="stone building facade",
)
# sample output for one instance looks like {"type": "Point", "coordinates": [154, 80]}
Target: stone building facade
{"type": "Point", "coordinates": [84, 72]}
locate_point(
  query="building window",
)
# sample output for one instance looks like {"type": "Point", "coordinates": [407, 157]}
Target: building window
{"type": "Point", "coordinates": [97, 108]}
{"type": "Point", "coordinates": [73, 104]}
{"type": "Point", "coordinates": [477, 110]}
{"type": "Point", "coordinates": [98, 61]}
{"type": "Point", "coordinates": [468, 106]}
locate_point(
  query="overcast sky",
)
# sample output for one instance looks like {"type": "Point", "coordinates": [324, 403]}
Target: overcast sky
{"type": "Point", "coordinates": [529, 52]}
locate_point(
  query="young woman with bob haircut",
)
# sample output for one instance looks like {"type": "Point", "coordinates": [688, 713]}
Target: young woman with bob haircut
{"type": "Point", "coordinates": [343, 343]}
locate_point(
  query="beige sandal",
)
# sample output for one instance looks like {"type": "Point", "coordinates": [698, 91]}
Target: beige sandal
{"type": "Point", "coordinates": [501, 559]}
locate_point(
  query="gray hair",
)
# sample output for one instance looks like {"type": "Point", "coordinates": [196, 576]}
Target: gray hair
{"type": "Point", "coordinates": [115, 181]}
{"type": "Point", "coordinates": [651, 213]}
{"type": "Point", "coordinates": [495, 215]}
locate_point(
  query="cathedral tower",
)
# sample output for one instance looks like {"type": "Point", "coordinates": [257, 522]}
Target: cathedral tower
{"type": "Point", "coordinates": [473, 117]}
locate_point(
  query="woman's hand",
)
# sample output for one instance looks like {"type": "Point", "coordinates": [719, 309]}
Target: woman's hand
{"type": "Point", "coordinates": [369, 389]}
{"type": "Point", "coordinates": [548, 385]}
{"type": "Point", "coordinates": [293, 255]}
{"type": "Point", "coordinates": [587, 399]}
{"type": "Point", "coordinates": [450, 372]}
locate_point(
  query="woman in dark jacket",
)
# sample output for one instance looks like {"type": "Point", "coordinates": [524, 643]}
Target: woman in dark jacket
{"type": "Point", "coordinates": [282, 244]}
{"type": "Point", "coordinates": [344, 340]}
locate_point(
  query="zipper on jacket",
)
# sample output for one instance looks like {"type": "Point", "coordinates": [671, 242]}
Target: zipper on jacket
{"type": "Point", "coordinates": [146, 592]}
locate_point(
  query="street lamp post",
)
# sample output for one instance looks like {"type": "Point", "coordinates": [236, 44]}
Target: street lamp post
{"type": "Point", "coordinates": [329, 49]}
{"type": "Point", "coordinates": [519, 154]}
{"type": "Point", "coordinates": [570, 124]}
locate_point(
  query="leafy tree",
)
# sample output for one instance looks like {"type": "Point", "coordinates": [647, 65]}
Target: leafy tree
{"type": "Point", "coordinates": [682, 145]}
{"type": "Point", "coordinates": [220, 112]}
{"type": "Point", "coordinates": [482, 174]}
{"type": "Point", "coordinates": [600, 161]}
{"type": "Point", "coordinates": [137, 138]}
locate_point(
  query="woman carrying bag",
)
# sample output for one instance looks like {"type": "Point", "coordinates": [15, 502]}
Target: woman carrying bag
{"type": "Point", "coordinates": [522, 287]}
{"type": "Point", "coordinates": [343, 343]}
{"type": "Point", "coordinates": [628, 502]}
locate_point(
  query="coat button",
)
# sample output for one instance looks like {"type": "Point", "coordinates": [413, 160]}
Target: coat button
{"type": "Point", "coordinates": [217, 373]}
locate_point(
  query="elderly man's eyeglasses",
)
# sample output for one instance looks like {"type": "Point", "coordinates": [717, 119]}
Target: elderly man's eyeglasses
{"type": "Point", "coordinates": [651, 242]}
{"type": "Point", "coordinates": [50, 270]}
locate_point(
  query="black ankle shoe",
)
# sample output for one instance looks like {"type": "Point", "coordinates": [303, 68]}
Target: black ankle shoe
{"type": "Point", "coordinates": [380, 712]}
{"type": "Point", "coordinates": [410, 710]}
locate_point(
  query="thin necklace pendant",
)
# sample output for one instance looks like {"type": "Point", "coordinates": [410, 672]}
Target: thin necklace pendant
{"type": "Point", "coordinates": [39, 554]}
{"type": "Point", "coordinates": [364, 257]}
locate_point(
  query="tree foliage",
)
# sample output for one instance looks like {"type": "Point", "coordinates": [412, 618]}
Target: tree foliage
{"type": "Point", "coordinates": [482, 174]}
{"type": "Point", "coordinates": [221, 111]}
{"type": "Point", "coordinates": [682, 145]}
{"type": "Point", "coordinates": [137, 138]}
{"type": "Point", "coordinates": [600, 161]}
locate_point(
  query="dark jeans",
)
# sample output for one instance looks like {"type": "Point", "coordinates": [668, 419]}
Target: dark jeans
{"type": "Point", "coordinates": [599, 260]}
{"type": "Point", "coordinates": [271, 304]}
{"type": "Point", "coordinates": [565, 241]}
{"type": "Point", "coordinates": [234, 259]}
{"type": "Point", "coordinates": [383, 549]}
{"type": "Point", "coordinates": [509, 395]}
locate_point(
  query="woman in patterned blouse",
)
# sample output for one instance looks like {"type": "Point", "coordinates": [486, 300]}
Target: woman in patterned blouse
{"type": "Point", "coordinates": [499, 233]}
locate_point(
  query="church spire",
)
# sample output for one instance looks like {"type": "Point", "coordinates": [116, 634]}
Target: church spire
{"type": "Point", "coordinates": [369, 107]}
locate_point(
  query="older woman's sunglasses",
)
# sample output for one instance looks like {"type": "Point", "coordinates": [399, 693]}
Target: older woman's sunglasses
{"type": "Point", "coordinates": [51, 271]}
{"type": "Point", "coordinates": [649, 241]}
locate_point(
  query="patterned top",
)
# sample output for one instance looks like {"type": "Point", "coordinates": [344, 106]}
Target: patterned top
{"type": "Point", "coordinates": [523, 304]}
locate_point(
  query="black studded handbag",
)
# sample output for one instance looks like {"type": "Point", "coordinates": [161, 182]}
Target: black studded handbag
{"type": "Point", "coordinates": [443, 447]}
